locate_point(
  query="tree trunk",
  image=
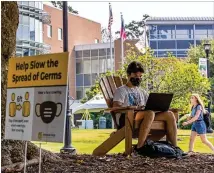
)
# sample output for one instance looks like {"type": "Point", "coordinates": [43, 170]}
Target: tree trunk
{"type": "Point", "coordinates": [12, 151]}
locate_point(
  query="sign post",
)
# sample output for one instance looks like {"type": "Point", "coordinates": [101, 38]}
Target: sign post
{"type": "Point", "coordinates": [36, 98]}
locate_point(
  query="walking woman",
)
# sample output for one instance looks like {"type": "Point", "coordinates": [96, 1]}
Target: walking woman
{"type": "Point", "coordinates": [198, 124]}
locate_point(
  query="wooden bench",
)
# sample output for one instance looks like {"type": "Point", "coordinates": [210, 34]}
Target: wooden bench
{"type": "Point", "coordinates": [108, 85]}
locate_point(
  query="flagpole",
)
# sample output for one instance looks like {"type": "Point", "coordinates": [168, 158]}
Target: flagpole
{"type": "Point", "coordinates": [122, 51]}
{"type": "Point", "coordinates": [112, 68]}
{"type": "Point", "coordinates": [110, 36]}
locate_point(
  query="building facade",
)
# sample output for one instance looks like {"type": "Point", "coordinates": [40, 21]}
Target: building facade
{"type": "Point", "coordinates": [81, 31]}
{"type": "Point", "coordinates": [29, 38]}
{"type": "Point", "coordinates": [176, 34]}
{"type": "Point", "coordinates": [92, 60]}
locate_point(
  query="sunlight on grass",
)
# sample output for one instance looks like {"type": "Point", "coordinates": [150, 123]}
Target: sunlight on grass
{"type": "Point", "coordinates": [85, 141]}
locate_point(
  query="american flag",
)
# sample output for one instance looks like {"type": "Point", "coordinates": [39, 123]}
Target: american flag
{"type": "Point", "coordinates": [110, 21]}
{"type": "Point", "coordinates": [122, 30]}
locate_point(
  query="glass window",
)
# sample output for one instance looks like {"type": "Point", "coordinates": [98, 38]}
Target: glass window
{"type": "Point", "coordinates": [102, 52]}
{"type": "Point", "coordinates": [87, 66]}
{"type": "Point", "coordinates": [25, 3]}
{"type": "Point", "coordinates": [79, 66]}
{"type": "Point", "coordinates": [173, 53]}
{"type": "Point", "coordinates": [94, 78]}
{"type": "Point", "coordinates": [36, 4]}
{"type": "Point", "coordinates": [198, 42]}
{"type": "Point", "coordinates": [40, 32]}
{"type": "Point", "coordinates": [20, 19]}
{"type": "Point", "coordinates": [94, 52]}
{"type": "Point", "coordinates": [153, 44]}
{"type": "Point", "coordinates": [32, 3]}
{"type": "Point", "coordinates": [86, 53]}
{"type": "Point", "coordinates": [40, 5]}
{"type": "Point", "coordinates": [25, 52]}
{"type": "Point", "coordinates": [162, 54]}
{"type": "Point", "coordinates": [79, 80]}
{"type": "Point", "coordinates": [87, 79]}
{"type": "Point", "coordinates": [32, 52]}
{"type": "Point", "coordinates": [32, 28]}
{"type": "Point", "coordinates": [166, 53]}
{"type": "Point", "coordinates": [184, 31]}
{"type": "Point", "coordinates": [153, 29]}
{"type": "Point", "coordinates": [109, 52]}
{"type": "Point", "coordinates": [59, 33]}
{"type": "Point", "coordinates": [181, 54]}
{"type": "Point", "coordinates": [166, 31]}
{"type": "Point", "coordinates": [166, 44]}
{"type": "Point", "coordinates": [184, 44]}
{"type": "Point", "coordinates": [155, 54]}
{"type": "Point", "coordinates": [201, 37]}
{"type": "Point", "coordinates": [102, 64]}
{"type": "Point", "coordinates": [79, 54]}
{"type": "Point", "coordinates": [26, 33]}
{"type": "Point", "coordinates": [37, 52]}
{"type": "Point", "coordinates": [211, 32]}
{"type": "Point", "coordinates": [18, 51]}
{"type": "Point", "coordinates": [19, 33]}
{"type": "Point", "coordinates": [37, 37]}
{"type": "Point", "coordinates": [94, 65]}
{"type": "Point", "coordinates": [202, 29]}
{"type": "Point", "coordinates": [110, 64]}
{"type": "Point", "coordinates": [25, 19]}
{"type": "Point", "coordinates": [96, 41]}
{"type": "Point", "coordinates": [49, 31]}
{"type": "Point", "coordinates": [79, 93]}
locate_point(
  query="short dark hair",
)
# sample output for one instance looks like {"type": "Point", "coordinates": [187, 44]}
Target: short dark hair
{"type": "Point", "coordinates": [134, 67]}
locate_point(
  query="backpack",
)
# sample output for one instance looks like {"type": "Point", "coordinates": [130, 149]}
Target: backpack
{"type": "Point", "coordinates": [206, 117]}
{"type": "Point", "coordinates": [160, 149]}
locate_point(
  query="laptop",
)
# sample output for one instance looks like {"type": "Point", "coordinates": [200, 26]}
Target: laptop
{"type": "Point", "coordinates": [159, 102]}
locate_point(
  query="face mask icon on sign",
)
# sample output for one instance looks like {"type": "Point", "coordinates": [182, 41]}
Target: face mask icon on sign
{"type": "Point", "coordinates": [48, 110]}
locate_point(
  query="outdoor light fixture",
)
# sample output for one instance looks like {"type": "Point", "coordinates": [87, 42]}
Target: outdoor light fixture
{"type": "Point", "coordinates": [207, 47]}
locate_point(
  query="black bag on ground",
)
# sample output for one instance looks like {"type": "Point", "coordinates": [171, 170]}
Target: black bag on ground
{"type": "Point", "coordinates": [160, 149]}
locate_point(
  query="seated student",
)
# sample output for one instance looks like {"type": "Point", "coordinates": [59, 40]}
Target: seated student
{"type": "Point", "coordinates": [131, 95]}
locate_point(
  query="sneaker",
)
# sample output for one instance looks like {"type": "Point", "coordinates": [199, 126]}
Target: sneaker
{"type": "Point", "coordinates": [210, 130]}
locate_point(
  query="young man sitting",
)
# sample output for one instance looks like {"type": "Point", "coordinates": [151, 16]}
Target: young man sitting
{"type": "Point", "coordinates": [131, 95]}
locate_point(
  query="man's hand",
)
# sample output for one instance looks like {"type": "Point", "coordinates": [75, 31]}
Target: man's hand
{"type": "Point", "coordinates": [184, 123]}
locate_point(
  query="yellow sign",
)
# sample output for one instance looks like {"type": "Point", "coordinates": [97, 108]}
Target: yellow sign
{"type": "Point", "coordinates": [41, 70]}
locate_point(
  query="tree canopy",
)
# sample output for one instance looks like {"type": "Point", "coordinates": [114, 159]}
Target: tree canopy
{"type": "Point", "coordinates": [165, 75]}
{"type": "Point", "coordinates": [135, 29]}
{"type": "Point", "coordinates": [59, 4]}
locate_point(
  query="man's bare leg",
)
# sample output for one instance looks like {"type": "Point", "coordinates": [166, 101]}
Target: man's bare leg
{"type": "Point", "coordinates": [171, 125]}
{"type": "Point", "coordinates": [148, 118]}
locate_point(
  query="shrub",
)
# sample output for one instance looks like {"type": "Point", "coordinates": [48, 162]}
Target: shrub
{"type": "Point", "coordinates": [181, 120]}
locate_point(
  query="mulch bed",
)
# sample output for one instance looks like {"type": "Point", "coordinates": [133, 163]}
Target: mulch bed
{"type": "Point", "coordinates": [118, 163]}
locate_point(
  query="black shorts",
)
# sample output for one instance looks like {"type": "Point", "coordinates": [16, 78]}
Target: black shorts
{"type": "Point", "coordinates": [121, 121]}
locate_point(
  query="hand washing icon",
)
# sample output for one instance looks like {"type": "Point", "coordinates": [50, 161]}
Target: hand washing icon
{"type": "Point", "coordinates": [13, 106]}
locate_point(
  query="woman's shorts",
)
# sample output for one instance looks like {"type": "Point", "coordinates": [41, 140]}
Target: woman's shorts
{"type": "Point", "coordinates": [199, 127]}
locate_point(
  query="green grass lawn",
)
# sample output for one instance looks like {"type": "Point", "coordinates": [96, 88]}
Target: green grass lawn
{"type": "Point", "coordinates": [85, 141]}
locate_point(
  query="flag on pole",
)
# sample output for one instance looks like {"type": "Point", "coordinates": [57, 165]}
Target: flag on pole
{"type": "Point", "coordinates": [122, 31]}
{"type": "Point", "coordinates": [110, 21]}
